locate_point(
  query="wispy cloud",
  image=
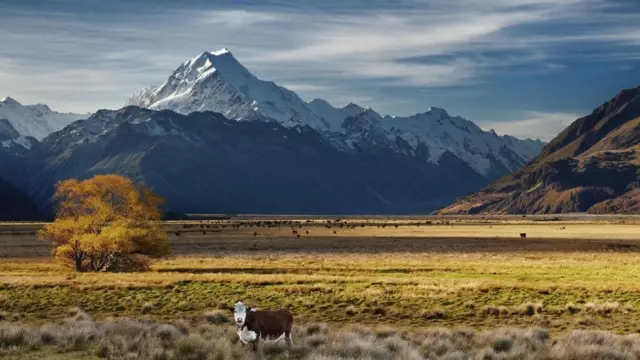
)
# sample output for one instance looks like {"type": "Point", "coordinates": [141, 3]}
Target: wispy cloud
{"type": "Point", "coordinates": [241, 18]}
{"type": "Point", "coordinates": [374, 52]}
{"type": "Point", "coordinates": [534, 125]}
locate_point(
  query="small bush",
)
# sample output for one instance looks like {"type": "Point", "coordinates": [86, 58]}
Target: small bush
{"type": "Point", "coordinates": [193, 347]}
{"type": "Point", "coordinates": [351, 310]}
{"type": "Point", "coordinates": [315, 329]}
{"type": "Point", "coordinates": [380, 311]}
{"type": "Point", "coordinates": [48, 335]}
{"type": "Point", "coordinates": [12, 335]}
{"type": "Point", "coordinates": [315, 341]}
{"type": "Point", "coordinates": [168, 334]}
{"type": "Point", "coordinates": [502, 344]}
{"type": "Point", "coordinates": [491, 310]}
{"type": "Point", "coordinates": [183, 325]}
{"type": "Point", "coordinates": [529, 309]}
{"type": "Point", "coordinates": [147, 308]}
{"type": "Point", "coordinates": [77, 314]}
{"type": "Point", "coordinates": [434, 314]}
{"type": "Point", "coordinates": [217, 317]}
{"type": "Point", "coordinates": [573, 308]}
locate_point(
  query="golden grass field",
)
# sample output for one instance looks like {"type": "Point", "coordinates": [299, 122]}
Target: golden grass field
{"type": "Point", "coordinates": [407, 273]}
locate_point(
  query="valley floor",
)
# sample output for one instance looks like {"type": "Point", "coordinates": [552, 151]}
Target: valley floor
{"type": "Point", "coordinates": [408, 274]}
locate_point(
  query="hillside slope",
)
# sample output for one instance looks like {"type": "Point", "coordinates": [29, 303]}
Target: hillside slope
{"type": "Point", "coordinates": [592, 166]}
{"type": "Point", "coordinates": [15, 205]}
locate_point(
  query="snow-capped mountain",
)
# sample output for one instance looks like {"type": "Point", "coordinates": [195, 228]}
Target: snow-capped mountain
{"type": "Point", "coordinates": [11, 141]}
{"type": "Point", "coordinates": [216, 81]}
{"type": "Point", "coordinates": [37, 120]}
{"type": "Point", "coordinates": [435, 132]}
{"type": "Point", "coordinates": [482, 150]}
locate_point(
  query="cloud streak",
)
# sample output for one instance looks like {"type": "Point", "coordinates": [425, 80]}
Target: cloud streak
{"type": "Point", "coordinates": [534, 125]}
{"type": "Point", "coordinates": [348, 50]}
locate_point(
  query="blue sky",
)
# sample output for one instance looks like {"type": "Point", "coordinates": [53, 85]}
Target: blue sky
{"type": "Point", "coordinates": [523, 67]}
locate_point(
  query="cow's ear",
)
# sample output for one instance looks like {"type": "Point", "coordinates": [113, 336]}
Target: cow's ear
{"type": "Point", "coordinates": [249, 309]}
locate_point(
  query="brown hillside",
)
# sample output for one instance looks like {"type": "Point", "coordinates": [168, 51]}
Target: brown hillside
{"type": "Point", "coordinates": [592, 166]}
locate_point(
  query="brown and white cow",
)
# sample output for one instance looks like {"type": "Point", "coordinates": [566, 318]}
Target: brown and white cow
{"type": "Point", "coordinates": [253, 325]}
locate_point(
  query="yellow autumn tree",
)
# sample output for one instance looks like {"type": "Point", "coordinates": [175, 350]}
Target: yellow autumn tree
{"type": "Point", "coordinates": [106, 223]}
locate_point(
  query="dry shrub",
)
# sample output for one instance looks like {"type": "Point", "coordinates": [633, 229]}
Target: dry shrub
{"type": "Point", "coordinates": [216, 317]}
{"type": "Point", "coordinates": [379, 311]}
{"type": "Point", "coordinates": [315, 341]}
{"type": "Point", "coordinates": [436, 314]}
{"type": "Point", "coordinates": [77, 314]}
{"type": "Point", "coordinates": [147, 308]}
{"type": "Point", "coordinates": [193, 347]}
{"type": "Point", "coordinates": [603, 309]}
{"type": "Point", "coordinates": [12, 335]}
{"type": "Point", "coordinates": [530, 309]}
{"type": "Point", "coordinates": [313, 329]}
{"type": "Point", "coordinates": [168, 334]}
{"type": "Point", "coordinates": [183, 325]}
{"type": "Point", "coordinates": [48, 334]}
{"type": "Point", "coordinates": [495, 310]}
{"type": "Point", "coordinates": [351, 310]}
{"type": "Point", "coordinates": [573, 308]}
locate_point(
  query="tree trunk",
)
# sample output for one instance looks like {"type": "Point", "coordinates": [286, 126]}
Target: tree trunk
{"type": "Point", "coordinates": [78, 259]}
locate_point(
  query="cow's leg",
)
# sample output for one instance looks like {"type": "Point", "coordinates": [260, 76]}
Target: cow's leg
{"type": "Point", "coordinates": [287, 339]}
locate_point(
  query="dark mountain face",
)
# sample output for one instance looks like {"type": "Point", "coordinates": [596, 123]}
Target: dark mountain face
{"type": "Point", "coordinates": [205, 163]}
{"type": "Point", "coordinates": [593, 165]}
{"type": "Point", "coordinates": [15, 205]}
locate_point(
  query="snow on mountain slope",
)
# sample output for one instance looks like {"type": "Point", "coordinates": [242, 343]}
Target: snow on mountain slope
{"type": "Point", "coordinates": [478, 148]}
{"type": "Point", "coordinates": [334, 116]}
{"type": "Point", "coordinates": [11, 141]}
{"type": "Point", "coordinates": [37, 121]}
{"type": "Point", "coordinates": [438, 132]}
{"type": "Point", "coordinates": [217, 82]}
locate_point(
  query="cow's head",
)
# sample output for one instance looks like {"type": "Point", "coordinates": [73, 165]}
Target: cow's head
{"type": "Point", "coordinates": [240, 313]}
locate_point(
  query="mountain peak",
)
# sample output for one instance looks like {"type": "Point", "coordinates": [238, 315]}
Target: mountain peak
{"type": "Point", "coordinates": [438, 112]}
{"type": "Point", "coordinates": [318, 101]}
{"type": "Point", "coordinates": [223, 51]}
{"type": "Point", "coordinates": [217, 81]}
{"type": "Point", "coordinates": [10, 101]}
{"type": "Point", "coordinates": [352, 106]}
{"type": "Point", "coordinates": [207, 63]}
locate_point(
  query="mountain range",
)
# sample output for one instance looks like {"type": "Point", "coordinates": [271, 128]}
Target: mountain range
{"type": "Point", "coordinates": [592, 166]}
{"type": "Point", "coordinates": [215, 138]}
{"type": "Point", "coordinates": [216, 81]}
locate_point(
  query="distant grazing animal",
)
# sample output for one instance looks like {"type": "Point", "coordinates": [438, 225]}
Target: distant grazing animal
{"type": "Point", "coordinates": [253, 325]}
{"type": "Point", "coordinates": [523, 236]}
